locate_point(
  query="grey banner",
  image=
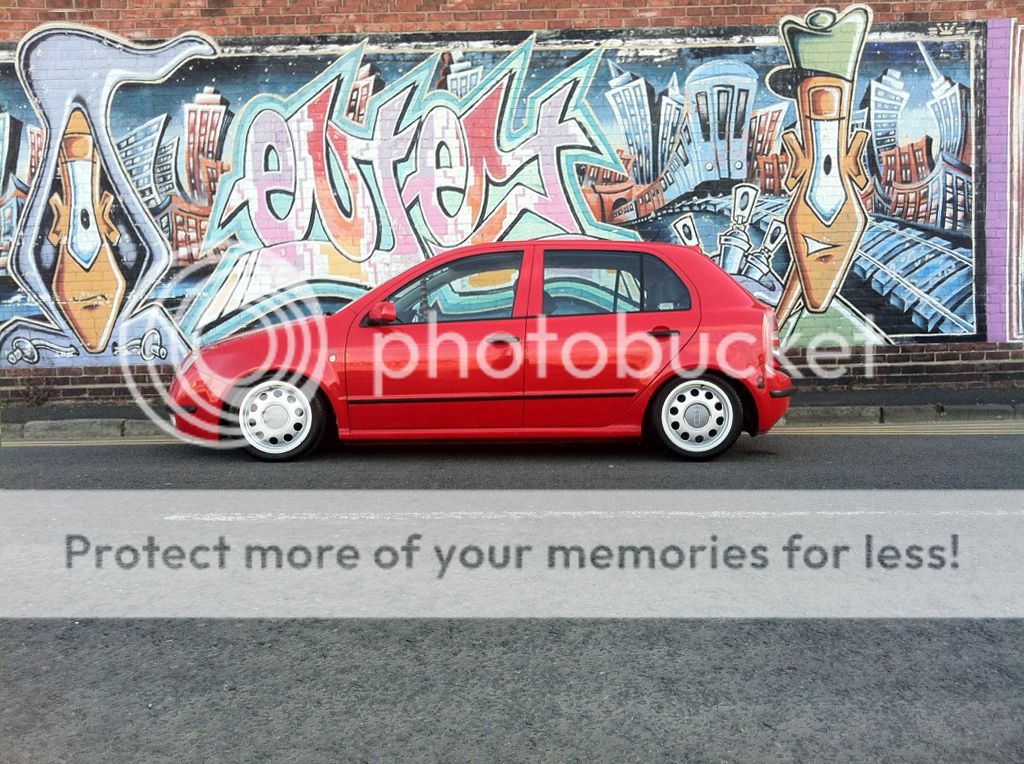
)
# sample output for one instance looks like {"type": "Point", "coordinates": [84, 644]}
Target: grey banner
{"type": "Point", "coordinates": [512, 554]}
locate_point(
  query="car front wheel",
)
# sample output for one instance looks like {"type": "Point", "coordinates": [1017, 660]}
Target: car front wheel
{"type": "Point", "coordinates": [280, 420]}
{"type": "Point", "coordinates": [698, 419]}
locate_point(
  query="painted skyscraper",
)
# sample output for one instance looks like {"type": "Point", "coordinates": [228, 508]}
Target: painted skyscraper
{"type": "Point", "coordinates": [632, 101]}
{"type": "Point", "coordinates": [138, 152]}
{"type": "Point", "coordinates": [672, 105]}
{"type": "Point", "coordinates": [462, 75]}
{"type": "Point", "coordinates": [165, 169]}
{"type": "Point", "coordinates": [950, 103]}
{"type": "Point", "coordinates": [206, 122]}
{"type": "Point", "coordinates": [884, 102]}
{"type": "Point", "coordinates": [366, 84]}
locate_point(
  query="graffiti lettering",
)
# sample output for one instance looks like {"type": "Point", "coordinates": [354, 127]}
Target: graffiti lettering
{"type": "Point", "coordinates": [425, 173]}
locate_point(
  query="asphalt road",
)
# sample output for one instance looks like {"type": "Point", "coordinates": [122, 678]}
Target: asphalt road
{"type": "Point", "coordinates": [519, 690]}
{"type": "Point", "coordinates": [943, 459]}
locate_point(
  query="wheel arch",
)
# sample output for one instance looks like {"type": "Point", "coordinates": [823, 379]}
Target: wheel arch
{"type": "Point", "coordinates": [750, 417]}
{"type": "Point", "coordinates": [234, 394]}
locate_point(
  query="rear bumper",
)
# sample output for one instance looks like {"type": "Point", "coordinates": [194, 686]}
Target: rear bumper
{"type": "Point", "coordinates": [773, 401]}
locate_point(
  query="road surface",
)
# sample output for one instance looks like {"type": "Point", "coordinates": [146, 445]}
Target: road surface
{"type": "Point", "coordinates": [531, 689]}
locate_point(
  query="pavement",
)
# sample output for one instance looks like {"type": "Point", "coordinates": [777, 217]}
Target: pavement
{"type": "Point", "coordinates": [523, 690]}
{"type": "Point", "coordinates": [105, 421]}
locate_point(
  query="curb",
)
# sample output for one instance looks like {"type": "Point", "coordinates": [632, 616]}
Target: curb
{"type": "Point", "coordinates": [81, 429]}
{"type": "Point", "coordinates": [831, 415]}
{"type": "Point", "coordinates": [136, 429]}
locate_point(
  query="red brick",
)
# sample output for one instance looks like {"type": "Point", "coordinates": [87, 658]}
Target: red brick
{"type": "Point", "coordinates": [303, 16]}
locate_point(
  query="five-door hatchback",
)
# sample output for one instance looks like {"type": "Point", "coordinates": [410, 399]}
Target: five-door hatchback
{"type": "Point", "coordinates": [562, 338]}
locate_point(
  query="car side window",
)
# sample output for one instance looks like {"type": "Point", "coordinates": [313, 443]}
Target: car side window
{"type": "Point", "coordinates": [580, 283]}
{"type": "Point", "coordinates": [663, 289]}
{"type": "Point", "coordinates": [478, 287]}
{"type": "Point", "coordinates": [585, 282]}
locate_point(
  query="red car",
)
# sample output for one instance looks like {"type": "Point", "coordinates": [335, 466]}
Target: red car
{"type": "Point", "coordinates": [566, 339]}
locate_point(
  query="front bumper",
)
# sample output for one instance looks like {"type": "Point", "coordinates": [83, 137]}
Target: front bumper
{"type": "Point", "coordinates": [193, 411]}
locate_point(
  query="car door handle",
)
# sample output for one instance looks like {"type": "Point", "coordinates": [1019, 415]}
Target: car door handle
{"type": "Point", "coordinates": [663, 331]}
{"type": "Point", "coordinates": [502, 339]}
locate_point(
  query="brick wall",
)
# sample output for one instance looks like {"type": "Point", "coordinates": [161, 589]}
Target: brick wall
{"type": "Point", "coordinates": [631, 134]}
{"type": "Point", "coordinates": [962, 364]}
{"type": "Point", "coordinates": [147, 19]}
{"type": "Point", "coordinates": [98, 384]}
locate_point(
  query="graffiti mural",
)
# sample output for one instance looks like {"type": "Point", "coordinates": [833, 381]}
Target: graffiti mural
{"type": "Point", "coordinates": [825, 219]}
{"type": "Point", "coordinates": [154, 198]}
{"type": "Point", "coordinates": [87, 251]}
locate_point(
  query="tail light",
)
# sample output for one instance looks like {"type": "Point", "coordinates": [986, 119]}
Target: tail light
{"type": "Point", "coordinates": [772, 341]}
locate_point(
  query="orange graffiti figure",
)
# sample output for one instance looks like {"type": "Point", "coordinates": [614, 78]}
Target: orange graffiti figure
{"type": "Point", "coordinates": [826, 218]}
{"type": "Point", "coordinates": [87, 281]}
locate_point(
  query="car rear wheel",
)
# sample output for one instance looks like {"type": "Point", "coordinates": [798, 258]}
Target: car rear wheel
{"type": "Point", "coordinates": [698, 419]}
{"type": "Point", "coordinates": [280, 420]}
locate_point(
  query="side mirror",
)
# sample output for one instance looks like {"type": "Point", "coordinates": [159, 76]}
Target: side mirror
{"type": "Point", "coordinates": [382, 313]}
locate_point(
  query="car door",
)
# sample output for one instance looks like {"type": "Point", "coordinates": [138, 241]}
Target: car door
{"type": "Point", "coordinates": [613, 319]}
{"type": "Point", "coordinates": [453, 359]}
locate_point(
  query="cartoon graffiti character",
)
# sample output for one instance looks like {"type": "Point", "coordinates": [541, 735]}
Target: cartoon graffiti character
{"type": "Point", "coordinates": [736, 254]}
{"type": "Point", "coordinates": [87, 250]}
{"type": "Point", "coordinates": [757, 275]}
{"type": "Point", "coordinates": [88, 285]}
{"type": "Point", "coordinates": [826, 218]}
{"type": "Point", "coordinates": [685, 227]}
{"type": "Point", "coordinates": [734, 243]}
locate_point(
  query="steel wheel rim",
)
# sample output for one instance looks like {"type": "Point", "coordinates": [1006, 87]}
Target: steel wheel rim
{"type": "Point", "coordinates": [697, 416]}
{"type": "Point", "coordinates": [275, 417]}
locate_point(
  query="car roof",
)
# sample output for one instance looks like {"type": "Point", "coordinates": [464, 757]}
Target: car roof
{"type": "Point", "coordinates": [559, 242]}
{"type": "Point", "coordinates": [697, 265]}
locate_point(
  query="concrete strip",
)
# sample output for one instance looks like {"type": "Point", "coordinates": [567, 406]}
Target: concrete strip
{"type": "Point", "coordinates": [73, 429]}
{"type": "Point", "coordinates": [910, 414]}
{"type": "Point", "coordinates": [11, 431]}
{"type": "Point", "coordinates": [826, 415]}
{"type": "Point", "coordinates": [981, 411]}
{"type": "Point", "coordinates": [142, 428]}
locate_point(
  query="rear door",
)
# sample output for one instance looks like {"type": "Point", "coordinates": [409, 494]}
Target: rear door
{"type": "Point", "coordinates": [602, 325]}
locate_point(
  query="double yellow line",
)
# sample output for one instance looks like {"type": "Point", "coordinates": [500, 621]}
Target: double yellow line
{"type": "Point", "coordinates": [995, 427]}
{"type": "Point", "coordinates": [98, 443]}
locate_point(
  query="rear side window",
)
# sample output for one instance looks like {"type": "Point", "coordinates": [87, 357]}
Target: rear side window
{"type": "Point", "coordinates": [578, 283]}
{"type": "Point", "coordinates": [663, 289]}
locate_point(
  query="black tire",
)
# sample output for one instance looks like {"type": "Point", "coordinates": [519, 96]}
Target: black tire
{"type": "Point", "coordinates": [697, 419]}
{"type": "Point", "coordinates": [284, 412]}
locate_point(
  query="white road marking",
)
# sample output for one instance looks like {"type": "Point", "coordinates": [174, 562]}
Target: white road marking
{"type": "Point", "coordinates": [243, 517]}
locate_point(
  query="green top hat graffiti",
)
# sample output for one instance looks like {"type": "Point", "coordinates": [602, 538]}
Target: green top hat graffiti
{"type": "Point", "coordinates": [823, 43]}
